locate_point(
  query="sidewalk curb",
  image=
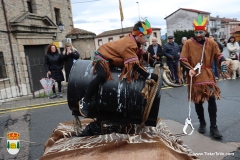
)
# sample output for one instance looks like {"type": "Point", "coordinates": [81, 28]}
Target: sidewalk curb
{"type": "Point", "coordinates": [16, 99]}
{"type": "Point", "coordinates": [31, 106]}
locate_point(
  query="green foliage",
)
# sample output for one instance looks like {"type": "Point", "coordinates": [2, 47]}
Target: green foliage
{"type": "Point", "coordinates": [164, 41]}
{"type": "Point", "coordinates": [179, 34]}
{"type": "Point", "coordinates": [43, 95]}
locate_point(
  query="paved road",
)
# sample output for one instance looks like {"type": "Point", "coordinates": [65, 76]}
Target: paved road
{"type": "Point", "coordinates": [34, 126]}
{"type": "Point", "coordinates": [174, 106]}
{"type": "Point", "coordinates": [43, 121]}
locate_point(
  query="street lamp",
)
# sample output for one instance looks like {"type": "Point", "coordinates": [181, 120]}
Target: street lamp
{"type": "Point", "coordinates": [61, 26]}
{"type": "Point", "coordinates": [138, 11]}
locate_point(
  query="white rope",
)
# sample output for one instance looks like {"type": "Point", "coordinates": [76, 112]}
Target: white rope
{"type": "Point", "coordinates": [190, 97]}
{"type": "Point", "coordinates": [188, 120]}
{"type": "Point", "coordinates": [203, 51]}
{"type": "Point", "coordinates": [190, 94]}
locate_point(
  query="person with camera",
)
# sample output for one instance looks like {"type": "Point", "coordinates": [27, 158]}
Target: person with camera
{"type": "Point", "coordinates": [70, 57]}
{"type": "Point", "coordinates": [233, 48]}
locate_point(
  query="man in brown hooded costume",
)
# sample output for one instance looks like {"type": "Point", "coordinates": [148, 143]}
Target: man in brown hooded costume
{"type": "Point", "coordinates": [201, 51]}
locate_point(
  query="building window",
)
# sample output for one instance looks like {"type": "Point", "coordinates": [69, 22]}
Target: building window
{"type": "Point", "coordinates": [100, 42]}
{"type": "Point", "coordinates": [121, 37]}
{"type": "Point", "coordinates": [110, 39]}
{"type": "Point", "coordinates": [57, 15]}
{"type": "Point", "coordinates": [155, 34]}
{"type": "Point", "coordinates": [2, 67]}
{"type": "Point", "coordinates": [29, 4]}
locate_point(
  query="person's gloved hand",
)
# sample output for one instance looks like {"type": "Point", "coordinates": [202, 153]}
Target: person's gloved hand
{"type": "Point", "coordinates": [154, 77]}
{"type": "Point", "coordinates": [157, 62]}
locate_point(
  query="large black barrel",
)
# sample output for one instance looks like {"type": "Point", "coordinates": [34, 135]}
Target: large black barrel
{"type": "Point", "coordinates": [115, 100]}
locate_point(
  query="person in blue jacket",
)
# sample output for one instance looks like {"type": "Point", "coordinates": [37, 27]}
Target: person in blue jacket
{"type": "Point", "coordinates": [171, 51]}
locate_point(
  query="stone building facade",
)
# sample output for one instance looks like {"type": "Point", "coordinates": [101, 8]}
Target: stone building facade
{"type": "Point", "coordinates": [83, 41]}
{"type": "Point", "coordinates": [235, 29]}
{"type": "Point", "coordinates": [232, 28]}
{"type": "Point", "coordinates": [27, 27]}
{"type": "Point", "coordinates": [182, 19]}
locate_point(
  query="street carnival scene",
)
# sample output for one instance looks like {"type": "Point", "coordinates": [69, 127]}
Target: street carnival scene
{"type": "Point", "coordinates": [120, 79]}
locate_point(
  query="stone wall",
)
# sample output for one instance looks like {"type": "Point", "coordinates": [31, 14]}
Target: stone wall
{"type": "Point", "coordinates": [8, 85]}
{"type": "Point", "coordinates": [40, 7]}
{"type": "Point", "coordinates": [85, 47]}
{"type": "Point", "coordinates": [14, 8]}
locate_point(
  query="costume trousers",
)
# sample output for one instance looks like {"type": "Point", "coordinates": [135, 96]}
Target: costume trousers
{"type": "Point", "coordinates": [59, 87]}
{"type": "Point", "coordinates": [212, 110]}
{"type": "Point", "coordinates": [94, 84]}
{"type": "Point", "coordinates": [173, 67]}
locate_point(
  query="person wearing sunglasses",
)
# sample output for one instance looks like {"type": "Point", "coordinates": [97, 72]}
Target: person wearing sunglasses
{"type": "Point", "coordinates": [125, 53]}
{"type": "Point", "coordinates": [200, 52]}
{"type": "Point", "coordinates": [171, 51]}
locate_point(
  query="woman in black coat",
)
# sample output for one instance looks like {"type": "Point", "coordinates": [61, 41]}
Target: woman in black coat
{"type": "Point", "coordinates": [54, 65]}
{"type": "Point", "coordinates": [70, 56]}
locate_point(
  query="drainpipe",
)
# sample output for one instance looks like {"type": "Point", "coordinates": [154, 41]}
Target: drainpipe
{"type": "Point", "coordinates": [10, 42]}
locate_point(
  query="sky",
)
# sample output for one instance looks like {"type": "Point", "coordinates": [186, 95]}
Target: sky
{"type": "Point", "coordinates": [102, 15]}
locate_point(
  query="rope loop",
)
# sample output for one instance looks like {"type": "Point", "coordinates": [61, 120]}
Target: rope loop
{"type": "Point", "coordinates": [149, 92]}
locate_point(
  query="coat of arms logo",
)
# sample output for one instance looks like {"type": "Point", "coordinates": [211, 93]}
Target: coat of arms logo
{"type": "Point", "coordinates": [13, 143]}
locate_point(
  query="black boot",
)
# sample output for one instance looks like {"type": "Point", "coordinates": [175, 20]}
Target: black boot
{"type": "Point", "coordinates": [212, 110]}
{"type": "Point", "coordinates": [215, 132]}
{"type": "Point", "coordinates": [200, 112]}
{"type": "Point", "coordinates": [202, 128]}
{"type": "Point", "coordinates": [83, 108]}
{"type": "Point", "coordinates": [53, 96]}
